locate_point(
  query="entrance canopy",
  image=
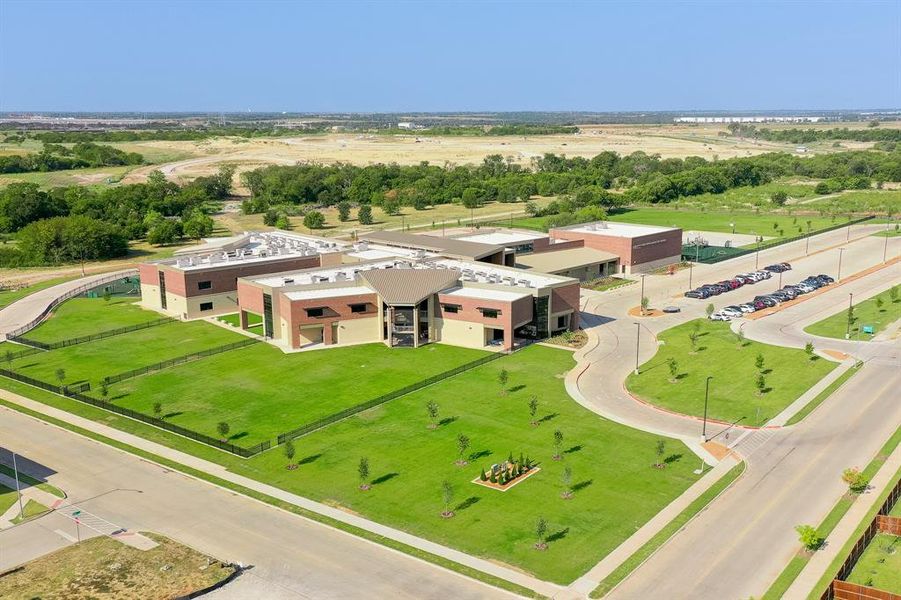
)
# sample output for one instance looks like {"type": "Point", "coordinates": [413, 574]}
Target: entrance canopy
{"type": "Point", "coordinates": [409, 286]}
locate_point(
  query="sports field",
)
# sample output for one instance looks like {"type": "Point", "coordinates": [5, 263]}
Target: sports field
{"type": "Point", "coordinates": [734, 396]}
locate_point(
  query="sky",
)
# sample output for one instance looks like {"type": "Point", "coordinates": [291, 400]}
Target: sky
{"type": "Point", "coordinates": [133, 55]}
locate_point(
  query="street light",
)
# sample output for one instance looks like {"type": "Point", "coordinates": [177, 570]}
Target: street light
{"type": "Point", "coordinates": [732, 225]}
{"type": "Point", "coordinates": [641, 300]}
{"type": "Point", "coordinates": [691, 268]}
{"type": "Point", "coordinates": [838, 276]}
{"type": "Point", "coordinates": [850, 309]}
{"type": "Point", "coordinates": [780, 281]}
{"type": "Point", "coordinates": [637, 343]}
{"type": "Point", "coordinates": [885, 247]}
{"type": "Point", "coordinates": [706, 396]}
{"type": "Point", "coordinates": [807, 249]}
{"type": "Point", "coordinates": [757, 255]}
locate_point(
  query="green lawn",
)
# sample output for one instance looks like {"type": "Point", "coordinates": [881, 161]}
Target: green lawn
{"type": "Point", "coordinates": [607, 283]}
{"type": "Point", "coordinates": [84, 316]}
{"type": "Point", "coordinates": [93, 361]}
{"type": "Point", "coordinates": [788, 373]}
{"type": "Point", "coordinates": [860, 201]}
{"type": "Point", "coordinates": [261, 391]}
{"type": "Point", "coordinates": [254, 322]}
{"type": "Point", "coordinates": [8, 497]}
{"type": "Point", "coordinates": [865, 313]}
{"type": "Point", "coordinates": [618, 490]}
{"type": "Point", "coordinates": [896, 510]}
{"type": "Point", "coordinates": [880, 564]}
{"type": "Point", "coordinates": [31, 509]}
{"type": "Point", "coordinates": [891, 233]}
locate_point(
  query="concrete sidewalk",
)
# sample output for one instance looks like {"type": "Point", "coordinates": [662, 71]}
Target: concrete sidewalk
{"type": "Point", "coordinates": [822, 559]}
{"type": "Point", "coordinates": [485, 566]}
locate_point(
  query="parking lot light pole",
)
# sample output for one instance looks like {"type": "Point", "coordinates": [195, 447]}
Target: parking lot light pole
{"type": "Point", "coordinates": [885, 247]}
{"type": "Point", "coordinates": [641, 300]}
{"type": "Point", "coordinates": [637, 343]}
{"type": "Point", "coordinates": [691, 268]}
{"type": "Point", "coordinates": [706, 397]}
{"type": "Point", "coordinates": [807, 248]}
{"type": "Point", "coordinates": [850, 308]}
{"type": "Point", "coordinates": [18, 487]}
{"type": "Point", "coordinates": [838, 276]}
{"type": "Point", "coordinates": [780, 281]}
{"type": "Point", "coordinates": [757, 256]}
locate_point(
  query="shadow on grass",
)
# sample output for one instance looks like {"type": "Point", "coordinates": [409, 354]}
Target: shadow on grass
{"type": "Point", "coordinates": [384, 478]}
{"type": "Point", "coordinates": [480, 454]}
{"type": "Point", "coordinates": [681, 376]}
{"type": "Point", "coordinates": [238, 436]}
{"type": "Point", "coordinates": [516, 388]}
{"type": "Point", "coordinates": [309, 459]}
{"type": "Point", "coordinates": [672, 458]}
{"type": "Point", "coordinates": [557, 535]}
{"type": "Point", "coordinates": [447, 421]}
{"type": "Point", "coordinates": [549, 417]}
{"type": "Point", "coordinates": [573, 449]}
{"type": "Point", "coordinates": [467, 503]}
{"type": "Point", "coordinates": [582, 485]}
{"type": "Point", "coordinates": [177, 413]}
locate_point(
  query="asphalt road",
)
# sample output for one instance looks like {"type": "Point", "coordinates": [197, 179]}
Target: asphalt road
{"type": "Point", "coordinates": [291, 556]}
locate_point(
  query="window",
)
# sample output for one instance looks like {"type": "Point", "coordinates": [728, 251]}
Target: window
{"type": "Point", "coordinates": [358, 308]}
{"type": "Point", "coordinates": [490, 313]}
{"type": "Point", "coordinates": [450, 308]}
{"type": "Point", "coordinates": [204, 285]}
{"type": "Point", "coordinates": [314, 312]}
{"type": "Point", "coordinates": [204, 306]}
{"type": "Point", "coordinates": [561, 321]}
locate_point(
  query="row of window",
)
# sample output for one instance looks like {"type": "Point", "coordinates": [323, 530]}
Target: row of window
{"type": "Point", "coordinates": [488, 313]}
{"type": "Point", "coordinates": [354, 308]}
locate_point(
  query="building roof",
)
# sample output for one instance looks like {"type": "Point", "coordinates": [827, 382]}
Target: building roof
{"type": "Point", "coordinates": [616, 229]}
{"type": "Point", "coordinates": [564, 260]}
{"type": "Point", "coordinates": [503, 237]}
{"type": "Point", "coordinates": [485, 294]}
{"type": "Point", "coordinates": [430, 243]}
{"type": "Point", "coordinates": [409, 286]}
{"type": "Point", "coordinates": [333, 292]}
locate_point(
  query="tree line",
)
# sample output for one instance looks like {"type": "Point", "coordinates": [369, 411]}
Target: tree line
{"type": "Point", "coordinates": [55, 157]}
{"type": "Point", "coordinates": [172, 135]}
{"type": "Point", "coordinates": [74, 223]}
{"type": "Point", "coordinates": [797, 135]}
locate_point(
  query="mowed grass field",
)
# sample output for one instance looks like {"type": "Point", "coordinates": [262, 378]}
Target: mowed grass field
{"type": "Point", "coordinates": [880, 564]}
{"type": "Point", "coordinates": [788, 373]}
{"type": "Point", "coordinates": [866, 313]}
{"type": "Point", "coordinates": [617, 489]}
{"type": "Point", "coordinates": [262, 392]}
{"type": "Point", "coordinates": [85, 316]}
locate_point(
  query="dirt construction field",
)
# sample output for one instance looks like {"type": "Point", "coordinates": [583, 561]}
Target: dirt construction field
{"type": "Point", "coordinates": [364, 149]}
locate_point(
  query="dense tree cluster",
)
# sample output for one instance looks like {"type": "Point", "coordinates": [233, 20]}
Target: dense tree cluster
{"type": "Point", "coordinates": [172, 135]}
{"type": "Point", "coordinates": [46, 222]}
{"type": "Point", "coordinates": [796, 135]}
{"type": "Point", "coordinates": [54, 157]}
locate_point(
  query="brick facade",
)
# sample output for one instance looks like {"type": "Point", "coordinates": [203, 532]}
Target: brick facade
{"type": "Point", "coordinates": [336, 309]}
{"type": "Point", "coordinates": [632, 251]}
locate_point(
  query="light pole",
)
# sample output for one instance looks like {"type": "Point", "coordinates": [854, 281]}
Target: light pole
{"type": "Point", "coordinates": [732, 225]}
{"type": "Point", "coordinates": [691, 268]}
{"type": "Point", "coordinates": [850, 315]}
{"type": "Point", "coordinates": [885, 247]}
{"type": "Point", "coordinates": [757, 255]}
{"type": "Point", "coordinates": [838, 275]}
{"type": "Point", "coordinates": [637, 343]}
{"type": "Point", "coordinates": [807, 249]}
{"type": "Point", "coordinates": [706, 397]}
{"type": "Point", "coordinates": [641, 300]}
{"type": "Point", "coordinates": [780, 281]}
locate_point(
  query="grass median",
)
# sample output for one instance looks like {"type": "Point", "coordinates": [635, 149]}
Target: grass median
{"type": "Point", "coordinates": [735, 394]}
{"type": "Point", "coordinates": [877, 312]}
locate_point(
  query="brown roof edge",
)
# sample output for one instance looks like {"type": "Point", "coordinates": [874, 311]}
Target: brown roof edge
{"type": "Point", "coordinates": [409, 286]}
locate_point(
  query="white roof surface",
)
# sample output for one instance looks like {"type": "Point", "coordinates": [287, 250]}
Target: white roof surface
{"type": "Point", "coordinates": [617, 229]}
{"type": "Point", "coordinates": [484, 294]}
{"type": "Point", "coordinates": [328, 293]}
{"type": "Point", "coordinates": [503, 238]}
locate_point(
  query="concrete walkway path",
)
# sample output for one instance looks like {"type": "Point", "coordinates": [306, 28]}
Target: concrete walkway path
{"type": "Point", "coordinates": [216, 470]}
{"type": "Point", "coordinates": [29, 308]}
{"type": "Point", "coordinates": [835, 541]}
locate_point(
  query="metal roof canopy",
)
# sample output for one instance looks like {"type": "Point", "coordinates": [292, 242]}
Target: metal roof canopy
{"type": "Point", "coordinates": [409, 286]}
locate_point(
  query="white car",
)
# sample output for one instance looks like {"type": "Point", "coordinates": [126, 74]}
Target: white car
{"type": "Point", "coordinates": [732, 311]}
{"type": "Point", "coordinates": [720, 316]}
{"type": "Point", "coordinates": [747, 308]}
{"type": "Point", "coordinates": [807, 288]}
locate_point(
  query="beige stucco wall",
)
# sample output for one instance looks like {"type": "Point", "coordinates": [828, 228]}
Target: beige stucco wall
{"type": "Point", "coordinates": [355, 331]}
{"type": "Point", "coordinates": [460, 333]}
{"type": "Point", "coordinates": [181, 307]}
{"type": "Point", "coordinates": [310, 334]}
{"type": "Point", "coordinates": [650, 266]}
{"type": "Point", "coordinates": [150, 296]}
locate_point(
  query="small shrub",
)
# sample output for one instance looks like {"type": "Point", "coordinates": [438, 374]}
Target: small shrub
{"type": "Point", "coordinates": [809, 537]}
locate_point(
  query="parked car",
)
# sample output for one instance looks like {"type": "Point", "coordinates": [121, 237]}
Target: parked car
{"type": "Point", "coordinates": [826, 278]}
{"type": "Point", "coordinates": [768, 301]}
{"type": "Point", "coordinates": [773, 268]}
{"type": "Point", "coordinates": [759, 305]}
{"type": "Point", "coordinates": [746, 279]}
{"type": "Point", "coordinates": [748, 307]}
{"type": "Point", "coordinates": [780, 296]}
{"type": "Point", "coordinates": [732, 311]}
{"type": "Point", "coordinates": [792, 294]}
{"type": "Point", "coordinates": [671, 309]}
{"type": "Point", "coordinates": [718, 316]}
{"type": "Point", "coordinates": [697, 294]}
{"type": "Point", "coordinates": [786, 266]}
{"type": "Point", "coordinates": [764, 274]}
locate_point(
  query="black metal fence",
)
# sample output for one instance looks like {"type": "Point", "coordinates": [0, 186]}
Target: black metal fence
{"type": "Point", "coordinates": [715, 254]}
{"type": "Point", "coordinates": [348, 412]}
{"type": "Point", "coordinates": [56, 389]}
{"type": "Point", "coordinates": [11, 356]}
{"type": "Point", "coordinates": [96, 336]}
{"type": "Point", "coordinates": [70, 294]}
{"type": "Point", "coordinates": [178, 360]}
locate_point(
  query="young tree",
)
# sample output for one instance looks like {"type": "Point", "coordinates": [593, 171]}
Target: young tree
{"type": "Point", "coordinates": [363, 473]}
{"type": "Point", "coordinates": [107, 296]}
{"type": "Point", "coordinates": [673, 369]}
{"type": "Point", "coordinates": [343, 211]}
{"type": "Point", "coordinates": [104, 389]}
{"type": "Point", "coordinates": [447, 494]}
{"type": "Point", "coordinates": [61, 375]}
{"type": "Point", "coordinates": [645, 302]}
{"type": "Point", "coordinates": [502, 378]}
{"type": "Point", "coordinates": [158, 410]}
{"type": "Point", "coordinates": [567, 478]}
{"type": "Point", "coordinates": [533, 409]}
{"type": "Point", "coordinates": [9, 360]}
{"type": "Point", "coordinates": [759, 362]}
{"type": "Point", "coordinates": [710, 309]}
{"type": "Point", "coordinates": [879, 303]}
{"type": "Point", "coordinates": [660, 450]}
{"type": "Point", "coordinates": [432, 409]}
{"type": "Point", "coordinates": [857, 483]}
{"type": "Point", "coordinates": [808, 349]}
{"type": "Point", "coordinates": [462, 447]}
{"type": "Point", "coordinates": [540, 533]}
{"type": "Point", "coordinates": [693, 338]}
{"type": "Point", "coordinates": [289, 451]}
{"type": "Point", "coordinates": [893, 293]}
{"type": "Point", "coordinates": [558, 443]}
{"type": "Point", "coordinates": [314, 220]}
{"type": "Point", "coordinates": [696, 326]}
{"type": "Point", "coordinates": [760, 383]}
{"type": "Point", "coordinates": [364, 215]}
{"type": "Point", "coordinates": [850, 317]}
{"type": "Point", "coordinates": [740, 337]}
{"type": "Point", "coordinates": [779, 197]}
{"type": "Point", "coordinates": [809, 537]}
{"type": "Point", "coordinates": [223, 429]}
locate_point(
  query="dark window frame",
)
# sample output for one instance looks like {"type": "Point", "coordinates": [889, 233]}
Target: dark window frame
{"type": "Point", "coordinates": [359, 307]}
{"type": "Point", "coordinates": [315, 312]}
{"type": "Point", "coordinates": [490, 313]}
{"type": "Point", "coordinates": [204, 285]}
{"type": "Point", "coordinates": [205, 306]}
{"type": "Point", "coordinates": [451, 308]}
